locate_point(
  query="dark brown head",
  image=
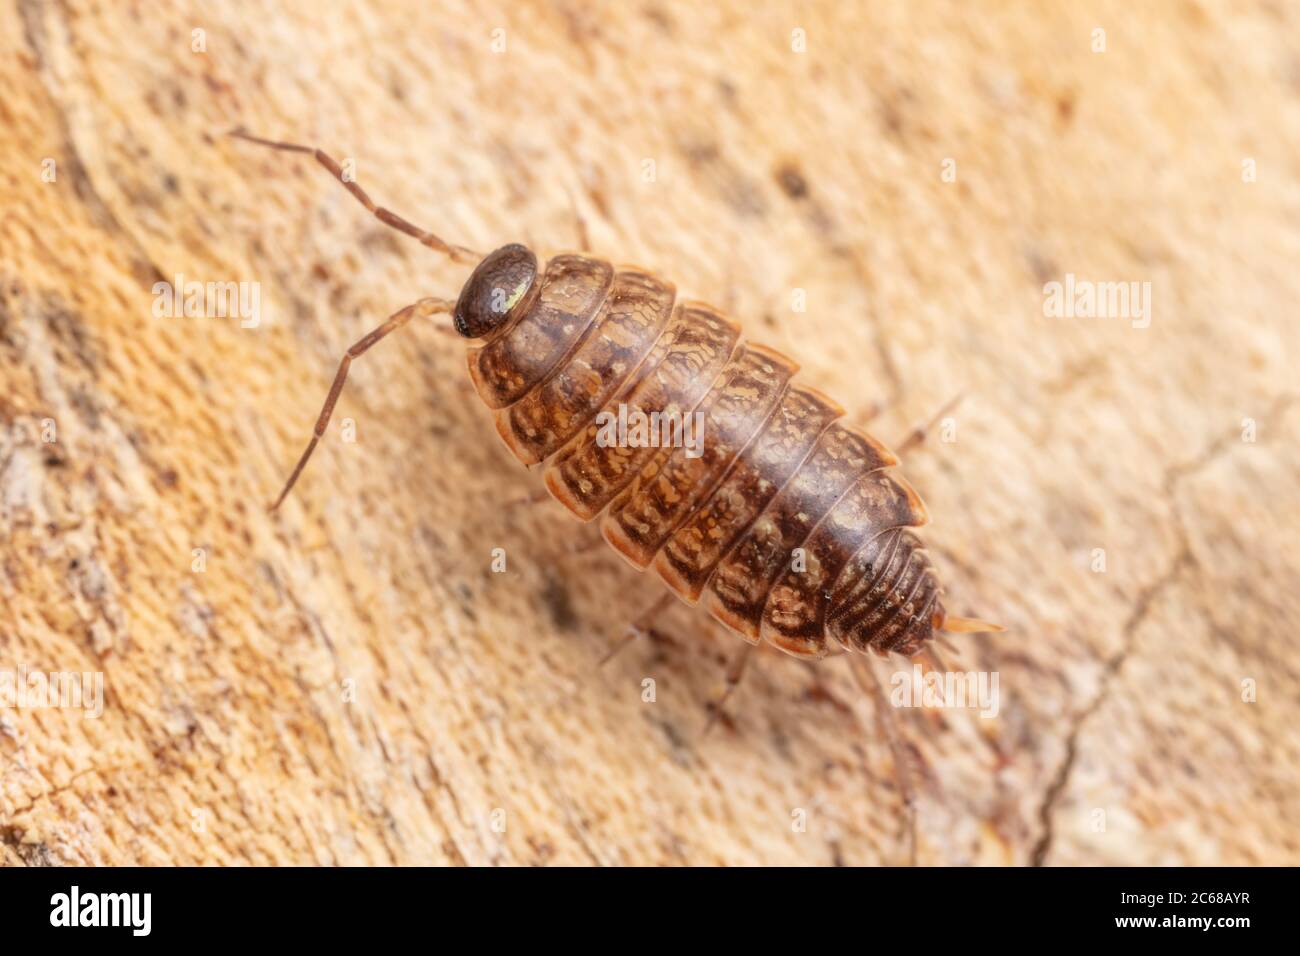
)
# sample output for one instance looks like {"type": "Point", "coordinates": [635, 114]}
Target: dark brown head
{"type": "Point", "coordinates": [502, 286]}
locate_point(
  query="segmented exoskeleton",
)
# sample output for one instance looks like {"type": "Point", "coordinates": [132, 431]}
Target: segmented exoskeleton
{"type": "Point", "coordinates": [787, 524]}
{"type": "Point", "coordinates": [785, 520]}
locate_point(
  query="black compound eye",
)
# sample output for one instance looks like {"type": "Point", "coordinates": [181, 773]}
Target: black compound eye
{"type": "Point", "coordinates": [500, 288]}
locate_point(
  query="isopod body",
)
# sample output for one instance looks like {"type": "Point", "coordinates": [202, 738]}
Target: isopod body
{"type": "Point", "coordinates": [786, 522]}
{"type": "Point", "coordinates": [783, 520]}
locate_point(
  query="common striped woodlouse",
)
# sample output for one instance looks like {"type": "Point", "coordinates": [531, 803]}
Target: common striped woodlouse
{"type": "Point", "coordinates": [779, 476]}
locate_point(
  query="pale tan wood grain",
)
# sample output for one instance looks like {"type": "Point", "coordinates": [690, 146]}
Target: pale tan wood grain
{"type": "Point", "coordinates": [348, 682]}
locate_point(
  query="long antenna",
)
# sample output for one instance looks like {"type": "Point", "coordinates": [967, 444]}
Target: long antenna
{"type": "Point", "coordinates": [417, 310]}
{"type": "Point", "coordinates": [388, 218]}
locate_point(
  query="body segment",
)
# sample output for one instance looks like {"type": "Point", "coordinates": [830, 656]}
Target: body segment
{"type": "Point", "coordinates": [585, 476]}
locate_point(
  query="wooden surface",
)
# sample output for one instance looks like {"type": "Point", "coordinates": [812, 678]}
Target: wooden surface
{"type": "Point", "coordinates": [348, 682]}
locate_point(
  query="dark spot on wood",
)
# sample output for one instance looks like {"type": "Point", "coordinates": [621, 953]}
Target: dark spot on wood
{"type": "Point", "coordinates": [1065, 109]}
{"type": "Point", "coordinates": [396, 88]}
{"type": "Point", "coordinates": [33, 854]}
{"type": "Point", "coordinates": [466, 595]}
{"type": "Point", "coordinates": [543, 851]}
{"type": "Point", "coordinates": [660, 19]}
{"type": "Point", "coordinates": [891, 119]}
{"type": "Point", "coordinates": [700, 153]}
{"type": "Point", "coordinates": [1197, 17]}
{"type": "Point", "coordinates": [597, 196]}
{"type": "Point", "coordinates": [737, 189]}
{"type": "Point", "coordinates": [892, 109]}
{"type": "Point", "coordinates": [145, 273]}
{"type": "Point", "coordinates": [87, 407]}
{"type": "Point", "coordinates": [837, 853]}
{"type": "Point", "coordinates": [792, 181]}
{"type": "Point", "coordinates": [381, 240]}
{"type": "Point", "coordinates": [583, 28]}
{"type": "Point", "coordinates": [559, 604]}
{"type": "Point", "coordinates": [1075, 372]}
{"type": "Point", "coordinates": [727, 91]}
{"type": "Point", "coordinates": [67, 327]}
{"type": "Point", "coordinates": [6, 319]}
{"type": "Point", "coordinates": [1040, 265]}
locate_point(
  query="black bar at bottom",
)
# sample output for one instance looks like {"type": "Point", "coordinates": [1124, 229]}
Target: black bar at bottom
{"type": "Point", "coordinates": [675, 907]}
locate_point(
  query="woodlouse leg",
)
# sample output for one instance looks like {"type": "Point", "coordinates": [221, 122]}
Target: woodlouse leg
{"type": "Point", "coordinates": [532, 498]}
{"type": "Point", "coordinates": [388, 218]}
{"type": "Point", "coordinates": [639, 627]}
{"type": "Point", "coordinates": [820, 689]}
{"type": "Point", "coordinates": [917, 435]}
{"type": "Point", "coordinates": [946, 644]}
{"type": "Point", "coordinates": [735, 671]}
{"type": "Point", "coordinates": [870, 683]}
{"type": "Point", "coordinates": [422, 309]}
{"type": "Point", "coordinates": [595, 543]}
{"type": "Point", "coordinates": [930, 657]}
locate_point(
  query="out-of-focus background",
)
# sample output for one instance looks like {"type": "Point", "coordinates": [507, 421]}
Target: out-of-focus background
{"type": "Point", "coordinates": [349, 682]}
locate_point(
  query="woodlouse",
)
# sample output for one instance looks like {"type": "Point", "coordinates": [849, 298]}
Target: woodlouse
{"type": "Point", "coordinates": [788, 526]}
